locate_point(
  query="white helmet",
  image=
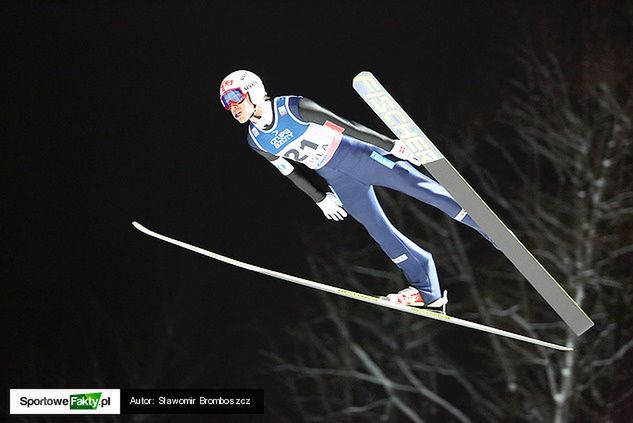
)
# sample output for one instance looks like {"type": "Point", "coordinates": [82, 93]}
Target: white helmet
{"type": "Point", "coordinates": [239, 83]}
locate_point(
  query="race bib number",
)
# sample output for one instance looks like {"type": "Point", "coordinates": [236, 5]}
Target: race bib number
{"type": "Point", "coordinates": [313, 146]}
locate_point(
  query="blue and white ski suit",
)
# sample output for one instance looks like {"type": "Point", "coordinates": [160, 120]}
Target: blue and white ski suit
{"type": "Point", "coordinates": [353, 159]}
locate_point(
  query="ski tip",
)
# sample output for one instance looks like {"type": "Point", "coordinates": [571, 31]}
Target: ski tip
{"type": "Point", "coordinates": [137, 225]}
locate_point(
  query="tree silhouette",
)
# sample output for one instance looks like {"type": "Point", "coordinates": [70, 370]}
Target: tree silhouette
{"type": "Point", "coordinates": [560, 164]}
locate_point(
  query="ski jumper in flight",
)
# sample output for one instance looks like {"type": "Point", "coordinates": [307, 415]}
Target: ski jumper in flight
{"type": "Point", "coordinates": [352, 159]}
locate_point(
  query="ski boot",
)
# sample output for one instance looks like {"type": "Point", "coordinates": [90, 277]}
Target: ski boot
{"type": "Point", "coordinates": [412, 297]}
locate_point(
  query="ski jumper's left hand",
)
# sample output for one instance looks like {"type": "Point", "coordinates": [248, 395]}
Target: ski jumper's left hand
{"type": "Point", "coordinates": [332, 208]}
{"type": "Point", "coordinates": [401, 151]}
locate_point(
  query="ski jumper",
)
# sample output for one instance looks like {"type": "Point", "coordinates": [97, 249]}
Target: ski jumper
{"type": "Point", "coordinates": [353, 159]}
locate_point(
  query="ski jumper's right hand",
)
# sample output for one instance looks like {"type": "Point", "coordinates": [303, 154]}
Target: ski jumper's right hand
{"type": "Point", "coordinates": [332, 208]}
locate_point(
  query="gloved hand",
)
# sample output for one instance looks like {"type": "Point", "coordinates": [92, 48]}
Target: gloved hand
{"type": "Point", "coordinates": [401, 151]}
{"type": "Point", "coordinates": [332, 207]}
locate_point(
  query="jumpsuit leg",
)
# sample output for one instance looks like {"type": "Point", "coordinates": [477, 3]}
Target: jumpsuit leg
{"type": "Point", "coordinates": [403, 177]}
{"type": "Point", "coordinates": [359, 199]}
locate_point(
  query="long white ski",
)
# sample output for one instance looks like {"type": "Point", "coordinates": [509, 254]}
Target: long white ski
{"type": "Point", "coordinates": [350, 294]}
{"type": "Point", "coordinates": [384, 105]}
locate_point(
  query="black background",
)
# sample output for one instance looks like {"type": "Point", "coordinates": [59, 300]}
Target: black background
{"type": "Point", "coordinates": [111, 115]}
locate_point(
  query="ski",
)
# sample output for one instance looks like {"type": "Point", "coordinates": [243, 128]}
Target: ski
{"type": "Point", "coordinates": [350, 294]}
{"type": "Point", "coordinates": [384, 105]}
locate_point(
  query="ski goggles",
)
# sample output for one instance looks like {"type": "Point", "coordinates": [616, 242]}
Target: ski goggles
{"type": "Point", "coordinates": [234, 95]}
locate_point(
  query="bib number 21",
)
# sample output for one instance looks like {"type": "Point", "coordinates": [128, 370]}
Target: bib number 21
{"type": "Point", "coordinates": [294, 154]}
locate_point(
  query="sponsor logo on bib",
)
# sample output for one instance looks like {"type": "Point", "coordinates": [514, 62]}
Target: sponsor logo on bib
{"type": "Point", "coordinates": [281, 138]}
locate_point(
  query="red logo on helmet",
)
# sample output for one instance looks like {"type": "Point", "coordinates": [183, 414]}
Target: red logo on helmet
{"type": "Point", "coordinates": [226, 83]}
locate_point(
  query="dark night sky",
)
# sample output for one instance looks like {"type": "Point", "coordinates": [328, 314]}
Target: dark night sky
{"type": "Point", "coordinates": [112, 115]}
